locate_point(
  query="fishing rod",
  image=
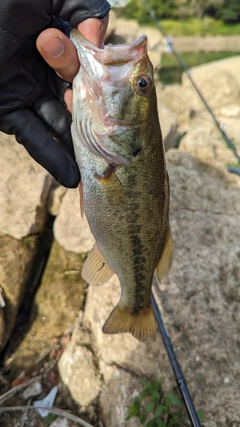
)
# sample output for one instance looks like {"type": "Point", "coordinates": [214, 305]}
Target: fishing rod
{"type": "Point", "coordinates": [176, 367]}
{"type": "Point", "coordinates": [187, 71]}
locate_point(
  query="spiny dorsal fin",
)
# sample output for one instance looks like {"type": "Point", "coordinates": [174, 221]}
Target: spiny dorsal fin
{"type": "Point", "coordinates": [141, 325]}
{"type": "Point", "coordinates": [165, 262]}
{"type": "Point", "coordinates": [96, 270]}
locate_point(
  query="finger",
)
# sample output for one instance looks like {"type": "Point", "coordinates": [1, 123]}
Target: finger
{"type": "Point", "coordinates": [94, 30]}
{"type": "Point", "coordinates": [30, 132]}
{"type": "Point", "coordinates": [59, 52]}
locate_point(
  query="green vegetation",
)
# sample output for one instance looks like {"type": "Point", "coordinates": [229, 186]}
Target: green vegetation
{"type": "Point", "coordinates": [188, 17]}
{"type": "Point", "coordinates": [199, 27]}
{"type": "Point", "coordinates": [156, 408]}
{"type": "Point", "coordinates": [171, 71]}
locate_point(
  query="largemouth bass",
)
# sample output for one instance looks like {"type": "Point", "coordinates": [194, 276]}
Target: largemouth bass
{"type": "Point", "coordinates": [124, 189]}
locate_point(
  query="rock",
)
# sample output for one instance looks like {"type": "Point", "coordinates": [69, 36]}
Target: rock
{"type": "Point", "coordinates": [111, 25]}
{"type": "Point", "coordinates": [63, 422]}
{"type": "Point", "coordinates": [24, 189]}
{"type": "Point", "coordinates": [70, 230]}
{"type": "Point", "coordinates": [78, 371]}
{"type": "Point", "coordinates": [59, 298]}
{"type": "Point", "coordinates": [218, 81]}
{"type": "Point", "coordinates": [125, 31]}
{"type": "Point", "coordinates": [59, 422]}
{"type": "Point", "coordinates": [121, 389]}
{"type": "Point", "coordinates": [205, 143]}
{"type": "Point", "coordinates": [199, 301]}
{"type": "Point", "coordinates": [168, 122]}
{"type": "Point", "coordinates": [216, 43]}
{"type": "Point", "coordinates": [174, 97]}
{"type": "Point", "coordinates": [33, 390]}
{"type": "Point", "coordinates": [16, 257]}
{"type": "Point", "coordinates": [55, 199]}
{"type": "Point", "coordinates": [121, 349]}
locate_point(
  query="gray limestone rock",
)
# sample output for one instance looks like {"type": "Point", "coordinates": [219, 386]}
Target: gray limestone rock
{"type": "Point", "coordinates": [24, 188]}
{"type": "Point", "coordinates": [218, 81]}
{"type": "Point", "coordinates": [71, 230]}
{"type": "Point", "coordinates": [78, 371]}
{"type": "Point", "coordinates": [122, 389]}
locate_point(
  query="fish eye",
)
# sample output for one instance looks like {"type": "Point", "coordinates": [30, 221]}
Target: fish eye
{"type": "Point", "coordinates": [143, 84]}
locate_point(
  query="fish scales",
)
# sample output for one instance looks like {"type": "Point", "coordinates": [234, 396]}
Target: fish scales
{"type": "Point", "coordinates": [119, 150]}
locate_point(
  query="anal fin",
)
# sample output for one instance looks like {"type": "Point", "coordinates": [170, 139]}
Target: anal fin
{"type": "Point", "coordinates": [141, 325]}
{"type": "Point", "coordinates": [165, 262]}
{"type": "Point", "coordinates": [96, 270]}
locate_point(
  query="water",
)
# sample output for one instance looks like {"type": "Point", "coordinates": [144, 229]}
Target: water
{"type": "Point", "coordinates": [171, 70]}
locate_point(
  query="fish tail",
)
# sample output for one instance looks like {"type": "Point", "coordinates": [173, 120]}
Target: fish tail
{"type": "Point", "coordinates": [141, 325]}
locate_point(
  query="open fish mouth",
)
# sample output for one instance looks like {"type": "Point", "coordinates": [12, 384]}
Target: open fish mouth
{"type": "Point", "coordinates": [105, 113]}
{"type": "Point", "coordinates": [111, 54]}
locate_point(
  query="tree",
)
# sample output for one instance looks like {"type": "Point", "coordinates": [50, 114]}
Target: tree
{"type": "Point", "coordinates": [135, 9]}
{"type": "Point", "coordinates": [230, 12]}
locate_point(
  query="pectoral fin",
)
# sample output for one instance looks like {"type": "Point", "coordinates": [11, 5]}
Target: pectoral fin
{"type": "Point", "coordinates": [96, 270]}
{"type": "Point", "coordinates": [165, 262]}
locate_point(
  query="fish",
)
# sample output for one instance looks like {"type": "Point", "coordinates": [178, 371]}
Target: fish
{"type": "Point", "coordinates": [124, 181]}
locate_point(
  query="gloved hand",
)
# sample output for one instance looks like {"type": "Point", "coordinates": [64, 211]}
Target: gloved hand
{"type": "Point", "coordinates": [31, 94]}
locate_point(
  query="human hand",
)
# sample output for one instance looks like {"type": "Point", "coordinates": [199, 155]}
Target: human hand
{"type": "Point", "coordinates": [30, 91]}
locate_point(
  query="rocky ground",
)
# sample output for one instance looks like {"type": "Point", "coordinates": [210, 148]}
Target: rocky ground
{"type": "Point", "coordinates": [50, 325]}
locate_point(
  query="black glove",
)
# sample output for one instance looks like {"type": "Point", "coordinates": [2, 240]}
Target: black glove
{"type": "Point", "coordinates": [31, 94]}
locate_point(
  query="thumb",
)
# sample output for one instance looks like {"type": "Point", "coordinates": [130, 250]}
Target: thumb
{"type": "Point", "coordinates": [59, 52]}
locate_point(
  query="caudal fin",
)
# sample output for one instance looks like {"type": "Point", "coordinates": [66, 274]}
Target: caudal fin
{"type": "Point", "coordinates": [142, 325]}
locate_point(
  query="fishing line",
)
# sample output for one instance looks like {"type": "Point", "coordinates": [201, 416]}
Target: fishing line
{"type": "Point", "coordinates": [187, 71]}
{"type": "Point", "coordinates": [176, 367]}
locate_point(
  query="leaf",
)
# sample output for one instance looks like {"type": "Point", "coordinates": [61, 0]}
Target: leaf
{"type": "Point", "coordinates": [150, 423]}
{"type": "Point", "coordinates": [156, 394]}
{"type": "Point", "coordinates": [134, 410]}
{"type": "Point", "coordinates": [158, 411]}
{"type": "Point", "coordinates": [142, 418]}
{"type": "Point", "coordinates": [201, 414]}
{"type": "Point", "coordinates": [144, 393]}
{"type": "Point", "coordinates": [150, 407]}
{"type": "Point", "coordinates": [130, 415]}
{"type": "Point", "coordinates": [144, 382]}
{"type": "Point", "coordinates": [173, 399]}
